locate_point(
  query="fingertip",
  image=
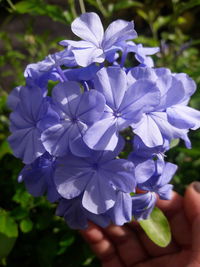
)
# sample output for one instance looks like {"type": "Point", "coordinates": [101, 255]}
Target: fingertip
{"type": "Point", "coordinates": [92, 234]}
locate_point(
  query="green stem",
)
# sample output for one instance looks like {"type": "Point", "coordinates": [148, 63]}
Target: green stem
{"type": "Point", "coordinates": [82, 6]}
{"type": "Point", "coordinates": [72, 8]}
{"type": "Point", "coordinates": [102, 8]}
{"type": "Point", "coordinates": [11, 4]}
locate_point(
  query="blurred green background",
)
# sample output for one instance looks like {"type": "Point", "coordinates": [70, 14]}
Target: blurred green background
{"type": "Point", "coordinates": [30, 233]}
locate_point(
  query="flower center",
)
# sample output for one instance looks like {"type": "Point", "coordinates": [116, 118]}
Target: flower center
{"type": "Point", "coordinates": [95, 166]}
{"type": "Point", "coordinates": [117, 114]}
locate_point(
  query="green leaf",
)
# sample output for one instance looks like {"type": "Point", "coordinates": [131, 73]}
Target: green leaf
{"type": "Point", "coordinates": [26, 225]}
{"type": "Point", "coordinates": [6, 245]}
{"type": "Point", "coordinates": [35, 7]}
{"type": "Point", "coordinates": [126, 4]}
{"type": "Point", "coordinates": [8, 225]}
{"type": "Point", "coordinates": [160, 22]}
{"type": "Point", "coordinates": [4, 149]}
{"type": "Point", "coordinates": [157, 228]}
{"type": "Point", "coordinates": [183, 6]}
{"type": "Point", "coordinates": [24, 7]}
{"type": "Point", "coordinates": [174, 142]}
{"type": "Point", "coordinates": [64, 244]}
{"type": "Point", "coordinates": [142, 14]}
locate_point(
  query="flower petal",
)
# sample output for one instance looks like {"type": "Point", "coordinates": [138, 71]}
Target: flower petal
{"type": "Point", "coordinates": [167, 174]}
{"type": "Point", "coordinates": [165, 192]}
{"type": "Point", "coordinates": [98, 196]}
{"type": "Point", "coordinates": [143, 96]}
{"type": "Point", "coordinates": [26, 144]}
{"type": "Point", "coordinates": [184, 117]}
{"type": "Point", "coordinates": [63, 94]}
{"type": "Point", "coordinates": [118, 31]}
{"type": "Point", "coordinates": [85, 57]}
{"type": "Point", "coordinates": [122, 211]}
{"type": "Point", "coordinates": [111, 82]}
{"type": "Point", "coordinates": [56, 138]}
{"type": "Point", "coordinates": [149, 132]}
{"type": "Point", "coordinates": [102, 135]}
{"type": "Point", "coordinates": [88, 27]}
{"type": "Point", "coordinates": [168, 131]}
{"type": "Point", "coordinates": [72, 174]}
{"type": "Point", "coordinates": [90, 107]}
{"type": "Point", "coordinates": [120, 173]}
{"type": "Point", "coordinates": [144, 170]}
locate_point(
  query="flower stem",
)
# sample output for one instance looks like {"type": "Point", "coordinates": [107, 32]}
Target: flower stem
{"type": "Point", "coordinates": [123, 59]}
{"type": "Point", "coordinates": [86, 87]}
{"type": "Point", "coordinates": [102, 8]}
{"type": "Point", "coordinates": [62, 76]}
{"type": "Point", "coordinates": [82, 6]}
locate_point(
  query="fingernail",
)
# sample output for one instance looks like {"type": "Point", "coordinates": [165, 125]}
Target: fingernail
{"type": "Point", "coordinates": [196, 186]}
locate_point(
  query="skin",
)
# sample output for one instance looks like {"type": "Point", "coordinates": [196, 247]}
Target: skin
{"type": "Point", "coordinates": [128, 245]}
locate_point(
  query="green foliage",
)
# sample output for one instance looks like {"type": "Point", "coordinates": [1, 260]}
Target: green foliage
{"type": "Point", "coordinates": [157, 228]}
{"type": "Point", "coordinates": [32, 234]}
{"type": "Point", "coordinates": [40, 7]}
{"type": "Point", "coordinates": [8, 226]}
{"type": "Point", "coordinates": [8, 233]}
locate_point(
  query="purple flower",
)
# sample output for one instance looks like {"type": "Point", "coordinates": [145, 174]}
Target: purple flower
{"type": "Point", "coordinates": [32, 115]}
{"type": "Point", "coordinates": [82, 75]}
{"type": "Point", "coordinates": [70, 137]}
{"type": "Point", "coordinates": [121, 212]}
{"type": "Point", "coordinates": [13, 98]}
{"type": "Point", "coordinates": [77, 110]}
{"type": "Point", "coordinates": [141, 53]}
{"type": "Point", "coordinates": [143, 204]}
{"type": "Point", "coordinates": [98, 177]}
{"type": "Point", "coordinates": [158, 182]}
{"type": "Point", "coordinates": [144, 157]}
{"type": "Point", "coordinates": [170, 119]}
{"type": "Point", "coordinates": [96, 44]}
{"type": "Point", "coordinates": [179, 114]}
{"type": "Point", "coordinates": [77, 216]}
{"type": "Point", "coordinates": [49, 69]}
{"type": "Point", "coordinates": [124, 106]}
{"type": "Point", "coordinates": [38, 177]}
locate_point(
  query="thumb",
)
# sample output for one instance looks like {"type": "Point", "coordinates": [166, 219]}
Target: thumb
{"type": "Point", "coordinates": [192, 210]}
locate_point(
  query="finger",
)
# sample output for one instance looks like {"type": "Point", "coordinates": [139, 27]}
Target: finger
{"type": "Point", "coordinates": [196, 241]}
{"type": "Point", "coordinates": [101, 246]}
{"type": "Point", "coordinates": [152, 249]}
{"type": "Point", "coordinates": [192, 210]}
{"type": "Point", "coordinates": [173, 209]}
{"type": "Point", "coordinates": [192, 201]}
{"type": "Point", "coordinates": [180, 227]}
{"type": "Point", "coordinates": [128, 245]}
{"type": "Point", "coordinates": [172, 206]}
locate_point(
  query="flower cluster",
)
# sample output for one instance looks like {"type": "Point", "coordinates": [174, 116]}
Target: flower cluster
{"type": "Point", "coordinates": [73, 138]}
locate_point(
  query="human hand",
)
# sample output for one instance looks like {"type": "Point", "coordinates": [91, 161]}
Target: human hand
{"type": "Point", "coordinates": [128, 245]}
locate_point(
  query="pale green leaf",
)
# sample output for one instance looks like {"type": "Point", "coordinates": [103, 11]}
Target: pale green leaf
{"type": "Point", "coordinates": [157, 228]}
{"type": "Point", "coordinates": [174, 142]}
